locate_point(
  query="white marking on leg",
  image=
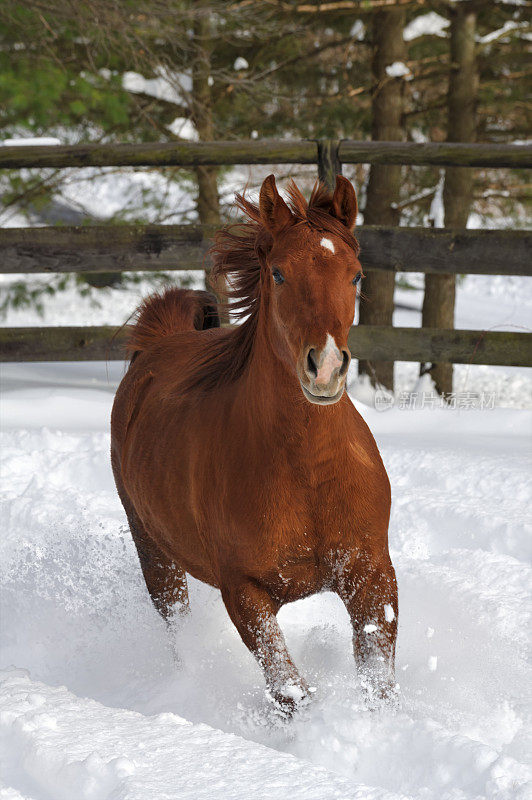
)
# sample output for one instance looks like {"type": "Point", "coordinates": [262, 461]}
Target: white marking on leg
{"type": "Point", "coordinates": [370, 628]}
{"type": "Point", "coordinates": [328, 245]}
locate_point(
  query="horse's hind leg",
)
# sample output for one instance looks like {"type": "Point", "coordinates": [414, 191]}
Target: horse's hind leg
{"type": "Point", "coordinates": [165, 580]}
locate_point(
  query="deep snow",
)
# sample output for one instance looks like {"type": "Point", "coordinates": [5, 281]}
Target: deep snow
{"type": "Point", "coordinates": [98, 708]}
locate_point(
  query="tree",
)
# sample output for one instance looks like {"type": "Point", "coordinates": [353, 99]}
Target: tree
{"type": "Point", "coordinates": [439, 300]}
{"type": "Point", "coordinates": [376, 308]}
{"type": "Point", "coordinates": [208, 203]}
{"type": "Point", "coordinates": [252, 68]}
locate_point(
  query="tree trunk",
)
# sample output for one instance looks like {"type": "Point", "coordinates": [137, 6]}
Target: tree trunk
{"type": "Point", "coordinates": [384, 180]}
{"type": "Point", "coordinates": [439, 300]}
{"type": "Point", "coordinates": [208, 204]}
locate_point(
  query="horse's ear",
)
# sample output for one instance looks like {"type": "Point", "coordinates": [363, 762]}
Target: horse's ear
{"type": "Point", "coordinates": [274, 212]}
{"type": "Point", "coordinates": [344, 204]}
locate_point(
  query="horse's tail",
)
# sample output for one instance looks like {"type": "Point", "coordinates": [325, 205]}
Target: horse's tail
{"type": "Point", "coordinates": [170, 311]}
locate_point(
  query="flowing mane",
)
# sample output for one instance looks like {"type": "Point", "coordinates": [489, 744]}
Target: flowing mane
{"type": "Point", "coordinates": [239, 257]}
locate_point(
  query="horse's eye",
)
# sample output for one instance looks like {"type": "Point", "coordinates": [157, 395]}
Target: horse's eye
{"type": "Point", "coordinates": [357, 278]}
{"type": "Point", "coordinates": [277, 276]}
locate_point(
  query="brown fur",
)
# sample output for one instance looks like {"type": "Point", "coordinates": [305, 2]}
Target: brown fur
{"type": "Point", "coordinates": [227, 471]}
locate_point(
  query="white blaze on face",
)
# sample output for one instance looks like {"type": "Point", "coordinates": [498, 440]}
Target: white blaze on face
{"type": "Point", "coordinates": [330, 359]}
{"type": "Point", "coordinates": [328, 245]}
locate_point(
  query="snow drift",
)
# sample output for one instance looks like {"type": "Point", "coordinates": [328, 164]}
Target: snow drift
{"type": "Point", "coordinates": [94, 705]}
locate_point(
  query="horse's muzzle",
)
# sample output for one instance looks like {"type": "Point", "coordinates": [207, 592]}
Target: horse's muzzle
{"type": "Point", "coordinates": [323, 399]}
{"type": "Point", "coordinates": [324, 373]}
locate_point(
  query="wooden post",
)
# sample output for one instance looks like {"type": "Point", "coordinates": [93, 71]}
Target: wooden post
{"type": "Point", "coordinates": [440, 290]}
{"type": "Point", "coordinates": [329, 165]}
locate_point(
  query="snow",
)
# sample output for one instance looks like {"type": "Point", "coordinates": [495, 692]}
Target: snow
{"type": "Point", "coordinates": [240, 64]}
{"type": "Point", "coordinates": [22, 141]}
{"type": "Point", "coordinates": [508, 27]}
{"type": "Point", "coordinates": [133, 193]}
{"type": "Point", "coordinates": [124, 754]}
{"type": "Point", "coordinates": [437, 210]}
{"type": "Point", "coordinates": [397, 70]}
{"type": "Point", "coordinates": [94, 705]}
{"type": "Point", "coordinates": [431, 24]}
{"type": "Point", "coordinates": [168, 85]}
{"type": "Point", "coordinates": [358, 30]}
{"type": "Point", "coordinates": [184, 128]}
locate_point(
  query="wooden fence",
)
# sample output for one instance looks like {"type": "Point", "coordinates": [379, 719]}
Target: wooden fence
{"type": "Point", "coordinates": [177, 247]}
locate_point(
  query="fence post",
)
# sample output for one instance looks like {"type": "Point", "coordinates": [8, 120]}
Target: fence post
{"type": "Point", "coordinates": [329, 165]}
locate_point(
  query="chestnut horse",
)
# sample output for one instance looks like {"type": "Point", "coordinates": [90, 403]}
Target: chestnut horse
{"type": "Point", "coordinates": [238, 455]}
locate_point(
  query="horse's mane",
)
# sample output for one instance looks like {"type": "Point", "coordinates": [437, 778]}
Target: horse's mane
{"type": "Point", "coordinates": [239, 256]}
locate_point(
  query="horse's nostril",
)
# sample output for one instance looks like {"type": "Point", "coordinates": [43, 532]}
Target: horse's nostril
{"type": "Point", "coordinates": [346, 358]}
{"type": "Point", "coordinates": [312, 367]}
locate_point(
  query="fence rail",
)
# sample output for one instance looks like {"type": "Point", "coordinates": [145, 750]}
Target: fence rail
{"type": "Point", "coordinates": [365, 341]}
{"type": "Point", "coordinates": [150, 247]}
{"type": "Point", "coordinates": [270, 151]}
{"type": "Point", "coordinates": [134, 248]}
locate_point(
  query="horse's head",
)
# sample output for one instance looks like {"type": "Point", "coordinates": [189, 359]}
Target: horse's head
{"type": "Point", "coordinates": [311, 282]}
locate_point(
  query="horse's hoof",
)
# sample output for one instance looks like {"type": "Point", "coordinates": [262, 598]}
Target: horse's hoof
{"type": "Point", "coordinates": [289, 698]}
{"type": "Point", "coordinates": [381, 694]}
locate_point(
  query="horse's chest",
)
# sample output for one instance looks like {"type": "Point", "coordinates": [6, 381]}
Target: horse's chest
{"type": "Point", "coordinates": [313, 510]}
{"type": "Point", "coordinates": [297, 510]}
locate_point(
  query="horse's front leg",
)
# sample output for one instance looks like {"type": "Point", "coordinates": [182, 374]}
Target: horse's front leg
{"type": "Point", "coordinates": [253, 611]}
{"type": "Point", "coordinates": [369, 591]}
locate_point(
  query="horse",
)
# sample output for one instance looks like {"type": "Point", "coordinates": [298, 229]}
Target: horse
{"type": "Point", "coordinates": [238, 455]}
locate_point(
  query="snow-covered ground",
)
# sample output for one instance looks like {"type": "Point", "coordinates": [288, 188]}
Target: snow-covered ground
{"type": "Point", "coordinates": [93, 704]}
